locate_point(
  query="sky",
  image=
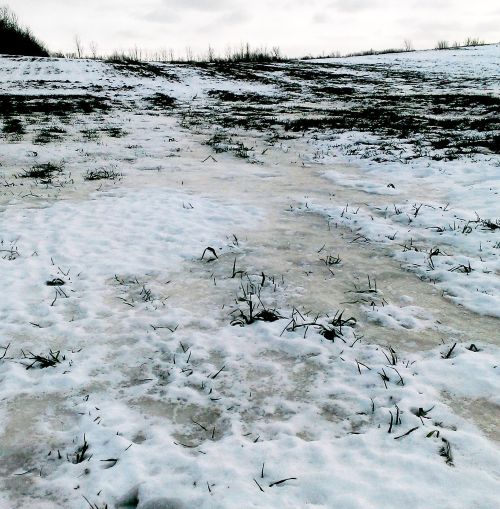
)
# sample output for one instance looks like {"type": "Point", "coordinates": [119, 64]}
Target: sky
{"type": "Point", "coordinates": [297, 27]}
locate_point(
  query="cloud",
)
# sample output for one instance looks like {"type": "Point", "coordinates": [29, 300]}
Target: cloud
{"type": "Point", "coordinates": [321, 18]}
{"type": "Point", "coordinates": [161, 16]}
{"type": "Point", "coordinates": [186, 11]}
{"type": "Point", "coordinates": [202, 5]}
{"type": "Point", "coordinates": [353, 5]}
{"type": "Point", "coordinates": [231, 18]}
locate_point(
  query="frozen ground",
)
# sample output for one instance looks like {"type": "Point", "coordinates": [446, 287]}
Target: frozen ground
{"type": "Point", "coordinates": [140, 370]}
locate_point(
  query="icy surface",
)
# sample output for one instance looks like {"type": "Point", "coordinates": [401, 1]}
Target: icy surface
{"type": "Point", "coordinates": [204, 305]}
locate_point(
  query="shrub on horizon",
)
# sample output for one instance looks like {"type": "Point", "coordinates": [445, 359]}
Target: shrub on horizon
{"type": "Point", "coordinates": [17, 40]}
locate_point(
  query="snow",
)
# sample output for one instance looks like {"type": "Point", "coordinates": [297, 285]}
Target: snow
{"type": "Point", "coordinates": [469, 63]}
{"type": "Point", "coordinates": [180, 401]}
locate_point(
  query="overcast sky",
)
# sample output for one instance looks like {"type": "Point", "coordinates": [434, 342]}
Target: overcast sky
{"type": "Point", "coordinates": [298, 27]}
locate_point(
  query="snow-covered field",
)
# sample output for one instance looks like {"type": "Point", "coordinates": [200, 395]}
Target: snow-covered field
{"type": "Point", "coordinates": [255, 286]}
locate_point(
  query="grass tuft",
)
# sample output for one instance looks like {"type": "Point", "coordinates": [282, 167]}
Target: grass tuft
{"type": "Point", "coordinates": [43, 172]}
{"type": "Point", "coordinates": [81, 453]}
{"type": "Point", "coordinates": [13, 126]}
{"type": "Point", "coordinates": [44, 361]}
{"type": "Point", "coordinates": [101, 174]}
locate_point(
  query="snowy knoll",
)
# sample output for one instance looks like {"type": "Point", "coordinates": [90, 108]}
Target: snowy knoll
{"type": "Point", "coordinates": [250, 285]}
